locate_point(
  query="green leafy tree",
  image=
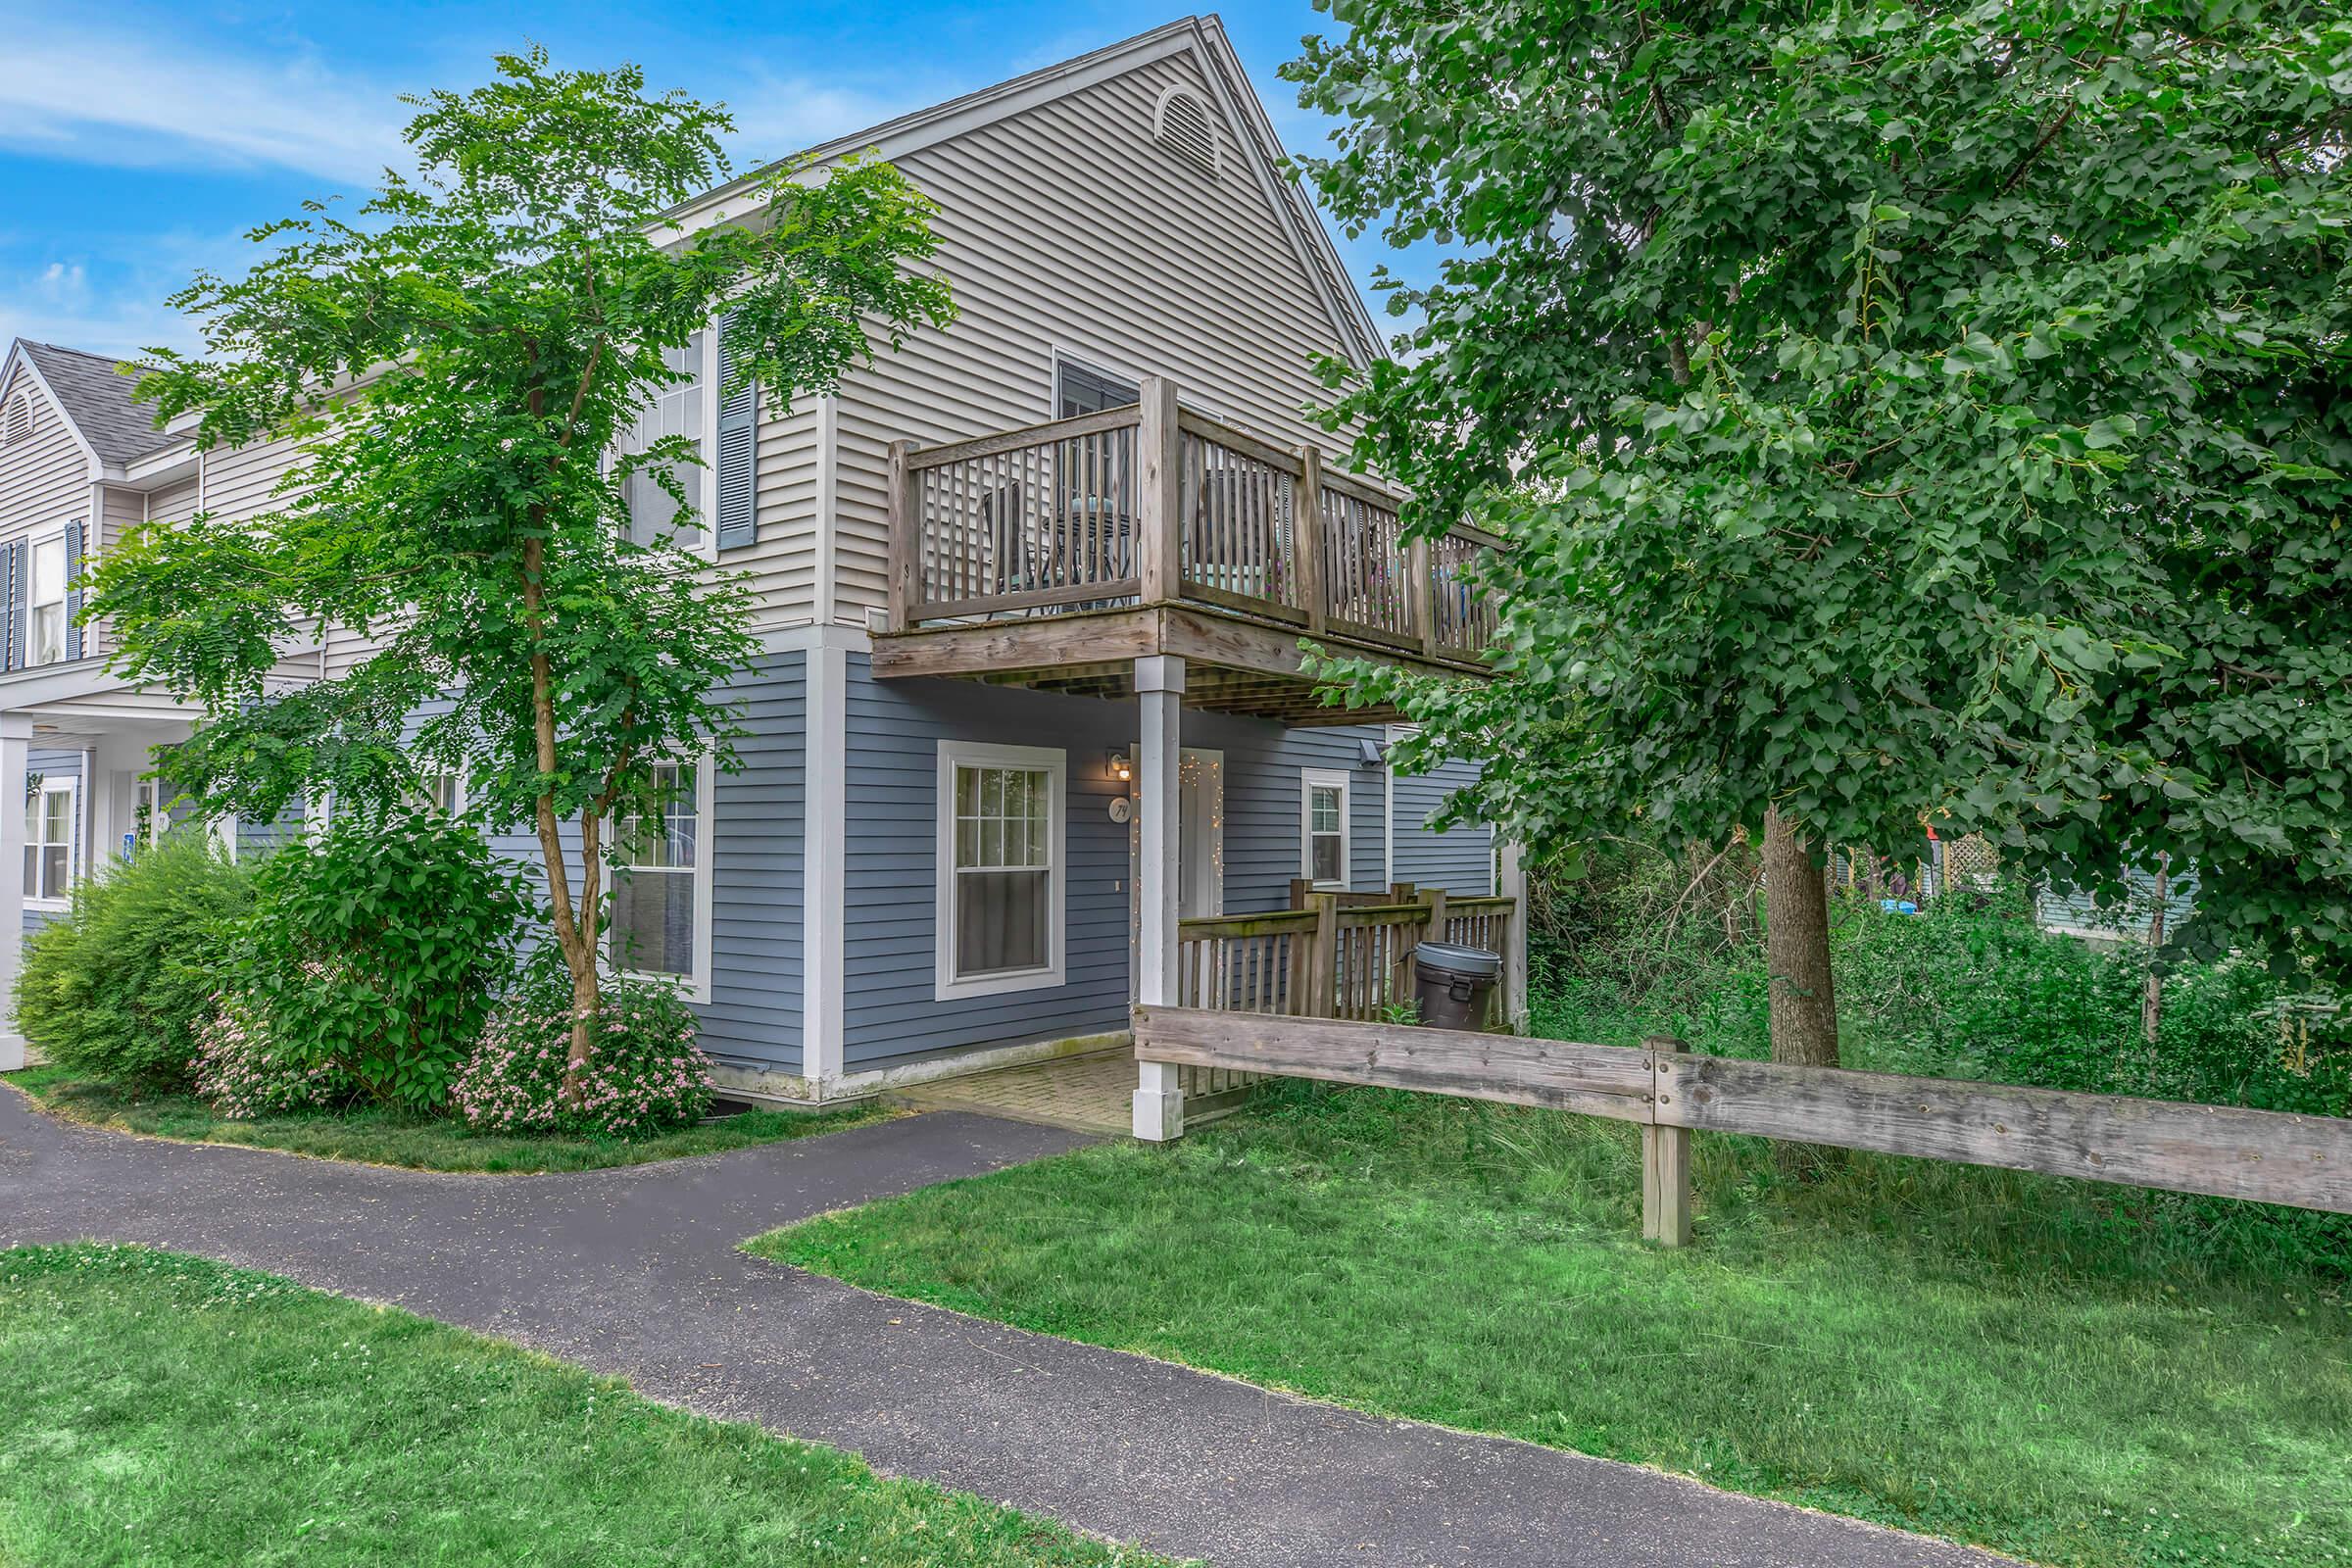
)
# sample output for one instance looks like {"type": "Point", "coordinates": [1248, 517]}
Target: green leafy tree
{"type": "Point", "coordinates": [1894, 411]}
{"type": "Point", "coordinates": [459, 360]}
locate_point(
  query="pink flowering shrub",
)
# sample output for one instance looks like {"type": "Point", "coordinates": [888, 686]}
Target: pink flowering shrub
{"type": "Point", "coordinates": [644, 1073]}
{"type": "Point", "coordinates": [241, 1075]}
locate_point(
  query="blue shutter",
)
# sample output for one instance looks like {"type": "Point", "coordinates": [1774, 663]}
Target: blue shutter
{"type": "Point", "coordinates": [738, 449]}
{"type": "Point", "coordinates": [73, 592]}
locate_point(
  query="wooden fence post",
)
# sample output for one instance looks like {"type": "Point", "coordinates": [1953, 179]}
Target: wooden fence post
{"type": "Point", "coordinates": [1665, 1157]}
{"type": "Point", "coordinates": [1323, 959]}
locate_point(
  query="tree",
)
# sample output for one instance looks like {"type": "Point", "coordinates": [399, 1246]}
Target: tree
{"type": "Point", "coordinates": [459, 358]}
{"type": "Point", "coordinates": [1894, 411]}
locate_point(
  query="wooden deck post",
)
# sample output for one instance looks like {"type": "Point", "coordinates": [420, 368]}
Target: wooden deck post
{"type": "Point", "coordinates": [1159, 494]}
{"type": "Point", "coordinates": [1424, 624]}
{"type": "Point", "coordinates": [1306, 524]}
{"type": "Point", "coordinates": [1323, 962]}
{"type": "Point", "coordinates": [904, 550]}
{"type": "Point", "coordinates": [1665, 1159]}
{"type": "Point", "coordinates": [1160, 694]}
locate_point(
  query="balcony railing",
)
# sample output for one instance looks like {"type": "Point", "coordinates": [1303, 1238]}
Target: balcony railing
{"type": "Point", "coordinates": [1156, 504]}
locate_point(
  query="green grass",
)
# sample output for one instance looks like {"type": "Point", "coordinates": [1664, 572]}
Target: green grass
{"type": "Point", "coordinates": [2045, 1367]}
{"type": "Point", "coordinates": [166, 1409]}
{"type": "Point", "coordinates": [382, 1137]}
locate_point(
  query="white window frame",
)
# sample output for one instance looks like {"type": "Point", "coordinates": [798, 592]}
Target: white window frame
{"type": "Point", "coordinates": [1311, 779]}
{"type": "Point", "coordinates": [63, 600]}
{"type": "Point", "coordinates": [694, 985]}
{"type": "Point", "coordinates": [70, 788]}
{"type": "Point", "coordinates": [1055, 761]}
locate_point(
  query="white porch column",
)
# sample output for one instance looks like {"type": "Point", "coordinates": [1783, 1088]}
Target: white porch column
{"type": "Point", "coordinates": [15, 741]}
{"type": "Point", "coordinates": [1512, 875]}
{"type": "Point", "coordinates": [1160, 693]}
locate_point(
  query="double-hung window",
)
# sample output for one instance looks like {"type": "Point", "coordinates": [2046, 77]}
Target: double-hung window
{"type": "Point", "coordinates": [678, 409]}
{"type": "Point", "coordinates": [659, 913]}
{"type": "Point", "coordinates": [47, 644]}
{"type": "Point", "coordinates": [49, 842]}
{"type": "Point", "coordinates": [1000, 904]}
{"type": "Point", "coordinates": [1323, 827]}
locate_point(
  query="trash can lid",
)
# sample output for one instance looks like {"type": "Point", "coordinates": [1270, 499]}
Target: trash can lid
{"type": "Point", "coordinates": [1476, 963]}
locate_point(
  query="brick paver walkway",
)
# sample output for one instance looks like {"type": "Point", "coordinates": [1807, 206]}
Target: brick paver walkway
{"type": "Point", "coordinates": [1089, 1093]}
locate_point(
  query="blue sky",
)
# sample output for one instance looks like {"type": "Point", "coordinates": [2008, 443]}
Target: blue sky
{"type": "Point", "coordinates": [138, 142]}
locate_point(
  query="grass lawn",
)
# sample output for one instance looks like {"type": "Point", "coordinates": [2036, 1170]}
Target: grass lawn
{"type": "Point", "coordinates": [166, 1409]}
{"type": "Point", "coordinates": [2035, 1365]}
{"type": "Point", "coordinates": [396, 1138]}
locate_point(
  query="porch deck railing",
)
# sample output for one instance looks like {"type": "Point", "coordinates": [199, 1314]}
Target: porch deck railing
{"type": "Point", "coordinates": [1337, 957]}
{"type": "Point", "coordinates": [1158, 504]}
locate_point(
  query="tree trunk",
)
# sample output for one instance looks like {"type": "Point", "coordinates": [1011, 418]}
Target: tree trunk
{"type": "Point", "coordinates": [2152, 1002]}
{"type": "Point", "coordinates": [1796, 950]}
{"type": "Point", "coordinates": [575, 927]}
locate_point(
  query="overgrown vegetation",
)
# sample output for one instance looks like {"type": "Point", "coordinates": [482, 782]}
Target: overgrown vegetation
{"type": "Point", "coordinates": [374, 955]}
{"type": "Point", "coordinates": [166, 1409]}
{"type": "Point", "coordinates": [118, 987]}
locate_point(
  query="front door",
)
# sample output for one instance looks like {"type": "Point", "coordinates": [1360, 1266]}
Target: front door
{"type": "Point", "coordinates": [1201, 845]}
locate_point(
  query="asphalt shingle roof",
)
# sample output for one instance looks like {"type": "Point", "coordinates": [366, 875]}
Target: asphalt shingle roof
{"type": "Point", "coordinates": [97, 399]}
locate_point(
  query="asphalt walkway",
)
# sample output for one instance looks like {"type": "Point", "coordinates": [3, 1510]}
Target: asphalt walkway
{"type": "Point", "coordinates": [637, 1272]}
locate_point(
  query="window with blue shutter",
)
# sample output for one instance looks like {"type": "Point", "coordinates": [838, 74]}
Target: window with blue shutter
{"type": "Point", "coordinates": [738, 449]}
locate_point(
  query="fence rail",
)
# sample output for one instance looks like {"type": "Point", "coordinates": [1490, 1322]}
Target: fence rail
{"type": "Point", "coordinates": [2259, 1155]}
{"type": "Point", "coordinates": [1156, 503]}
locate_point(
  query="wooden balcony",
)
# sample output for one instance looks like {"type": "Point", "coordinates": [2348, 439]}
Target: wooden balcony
{"type": "Point", "coordinates": [1055, 556]}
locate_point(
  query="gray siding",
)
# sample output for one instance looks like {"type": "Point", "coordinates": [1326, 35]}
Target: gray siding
{"type": "Point", "coordinates": [1461, 859]}
{"type": "Point", "coordinates": [1265, 797]}
{"type": "Point", "coordinates": [2075, 912]}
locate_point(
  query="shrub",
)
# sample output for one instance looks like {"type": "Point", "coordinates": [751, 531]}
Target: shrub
{"type": "Point", "coordinates": [375, 949]}
{"type": "Point", "coordinates": [118, 986]}
{"type": "Point", "coordinates": [241, 1075]}
{"type": "Point", "coordinates": [645, 1072]}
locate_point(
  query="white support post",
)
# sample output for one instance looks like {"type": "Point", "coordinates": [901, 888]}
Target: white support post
{"type": "Point", "coordinates": [1160, 693]}
{"type": "Point", "coordinates": [1513, 879]}
{"type": "Point", "coordinates": [16, 743]}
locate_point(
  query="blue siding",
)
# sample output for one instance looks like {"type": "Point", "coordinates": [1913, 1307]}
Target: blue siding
{"type": "Point", "coordinates": [1264, 801]}
{"type": "Point", "coordinates": [754, 849]}
{"type": "Point", "coordinates": [2075, 910]}
{"type": "Point", "coordinates": [1461, 859]}
{"type": "Point", "coordinates": [757, 850]}
{"type": "Point", "coordinates": [890, 957]}
{"type": "Point", "coordinates": [53, 763]}
{"type": "Point", "coordinates": [891, 850]}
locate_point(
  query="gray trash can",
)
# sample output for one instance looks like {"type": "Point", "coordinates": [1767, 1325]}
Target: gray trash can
{"type": "Point", "coordinates": [1452, 984]}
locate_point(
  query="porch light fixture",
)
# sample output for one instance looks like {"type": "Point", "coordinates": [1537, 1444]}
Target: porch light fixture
{"type": "Point", "coordinates": [1121, 769]}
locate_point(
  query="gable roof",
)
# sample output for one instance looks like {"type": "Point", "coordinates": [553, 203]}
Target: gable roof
{"type": "Point", "coordinates": [95, 397]}
{"type": "Point", "coordinates": [1201, 36]}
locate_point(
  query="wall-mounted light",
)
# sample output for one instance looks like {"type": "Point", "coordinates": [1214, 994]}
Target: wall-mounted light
{"type": "Point", "coordinates": [1121, 769]}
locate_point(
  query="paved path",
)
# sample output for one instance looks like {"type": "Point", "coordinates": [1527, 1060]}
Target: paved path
{"type": "Point", "coordinates": [636, 1272]}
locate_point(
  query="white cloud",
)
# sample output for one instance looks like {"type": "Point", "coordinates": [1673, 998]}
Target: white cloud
{"type": "Point", "coordinates": [778, 115]}
{"type": "Point", "coordinates": [113, 98]}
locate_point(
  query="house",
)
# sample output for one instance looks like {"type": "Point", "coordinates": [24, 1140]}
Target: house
{"type": "Point", "coordinates": [1030, 600]}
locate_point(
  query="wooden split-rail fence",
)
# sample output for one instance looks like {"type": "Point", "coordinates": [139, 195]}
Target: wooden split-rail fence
{"type": "Point", "coordinates": [1337, 956]}
{"type": "Point", "coordinates": [2260, 1155]}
